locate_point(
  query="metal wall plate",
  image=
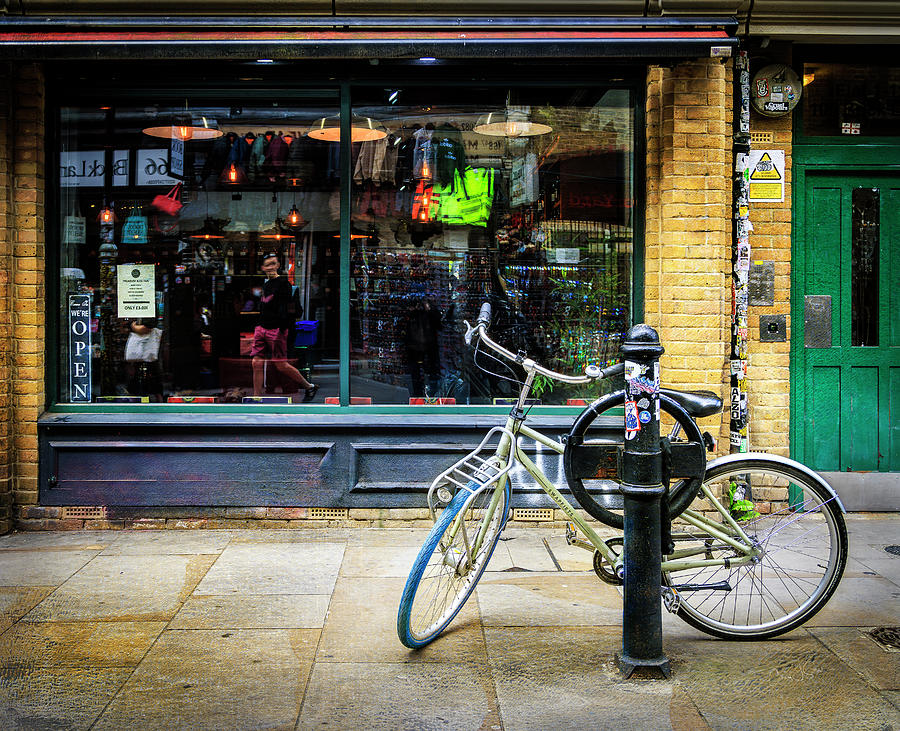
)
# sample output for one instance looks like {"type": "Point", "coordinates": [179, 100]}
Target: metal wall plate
{"type": "Point", "coordinates": [772, 328]}
{"type": "Point", "coordinates": [761, 284]}
{"type": "Point", "coordinates": [817, 321]}
{"type": "Point", "coordinates": [533, 514]}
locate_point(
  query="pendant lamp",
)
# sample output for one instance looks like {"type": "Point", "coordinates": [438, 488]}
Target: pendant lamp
{"type": "Point", "coordinates": [512, 123]}
{"type": "Point", "coordinates": [362, 129]}
{"type": "Point", "coordinates": [211, 229]}
{"type": "Point", "coordinates": [184, 127]}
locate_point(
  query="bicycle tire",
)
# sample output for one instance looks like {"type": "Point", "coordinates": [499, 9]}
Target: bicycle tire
{"type": "Point", "coordinates": [681, 492]}
{"type": "Point", "coordinates": [436, 590]}
{"type": "Point", "coordinates": [805, 542]}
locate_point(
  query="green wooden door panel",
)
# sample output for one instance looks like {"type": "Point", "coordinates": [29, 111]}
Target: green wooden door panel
{"type": "Point", "coordinates": [822, 434]}
{"type": "Point", "coordinates": [847, 395]}
{"type": "Point", "coordinates": [893, 416]}
{"type": "Point", "coordinates": [859, 420]}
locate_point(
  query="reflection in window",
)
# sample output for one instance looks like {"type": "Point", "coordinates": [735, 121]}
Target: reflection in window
{"type": "Point", "coordinates": [525, 201]}
{"type": "Point", "coordinates": [182, 308]}
{"type": "Point", "coordinates": [844, 99]}
{"type": "Point", "coordinates": [864, 267]}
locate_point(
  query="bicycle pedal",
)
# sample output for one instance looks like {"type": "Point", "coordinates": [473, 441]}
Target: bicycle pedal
{"type": "Point", "coordinates": [571, 534]}
{"type": "Point", "coordinates": [671, 599]}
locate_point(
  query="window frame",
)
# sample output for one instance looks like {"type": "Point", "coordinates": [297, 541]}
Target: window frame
{"type": "Point", "coordinates": [62, 92]}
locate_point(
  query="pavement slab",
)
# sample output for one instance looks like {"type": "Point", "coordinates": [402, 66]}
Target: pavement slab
{"type": "Point", "coordinates": [274, 568]}
{"type": "Point", "coordinates": [123, 588]}
{"type": "Point", "coordinates": [364, 561]}
{"type": "Point", "coordinates": [854, 646]}
{"type": "Point", "coordinates": [794, 683]}
{"type": "Point", "coordinates": [362, 627]}
{"type": "Point", "coordinates": [400, 697]}
{"type": "Point", "coordinates": [248, 611]}
{"type": "Point", "coordinates": [77, 644]}
{"type": "Point", "coordinates": [56, 698]}
{"type": "Point", "coordinates": [163, 542]}
{"type": "Point", "coordinates": [566, 678]}
{"type": "Point", "coordinates": [866, 602]}
{"type": "Point", "coordinates": [557, 599]}
{"type": "Point", "coordinates": [214, 679]}
{"type": "Point", "coordinates": [41, 567]}
{"type": "Point", "coordinates": [81, 540]}
{"type": "Point", "coordinates": [17, 601]}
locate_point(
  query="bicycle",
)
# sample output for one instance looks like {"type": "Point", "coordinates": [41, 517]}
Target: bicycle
{"type": "Point", "coordinates": [734, 579]}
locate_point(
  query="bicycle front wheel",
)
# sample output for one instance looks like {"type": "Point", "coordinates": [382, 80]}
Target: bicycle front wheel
{"type": "Point", "coordinates": [450, 563]}
{"type": "Point", "coordinates": [801, 550]}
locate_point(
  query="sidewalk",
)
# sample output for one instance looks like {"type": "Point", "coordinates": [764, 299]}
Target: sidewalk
{"type": "Point", "coordinates": [253, 629]}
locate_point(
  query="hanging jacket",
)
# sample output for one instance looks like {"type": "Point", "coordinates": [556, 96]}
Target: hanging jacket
{"type": "Point", "coordinates": [449, 154]}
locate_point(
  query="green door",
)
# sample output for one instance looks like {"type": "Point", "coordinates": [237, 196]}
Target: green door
{"type": "Point", "coordinates": [848, 360]}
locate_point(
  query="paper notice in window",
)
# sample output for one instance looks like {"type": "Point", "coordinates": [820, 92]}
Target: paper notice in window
{"type": "Point", "coordinates": [136, 290]}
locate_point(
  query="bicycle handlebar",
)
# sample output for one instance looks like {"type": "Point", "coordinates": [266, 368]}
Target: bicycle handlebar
{"type": "Point", "coordinates": [591, 372]}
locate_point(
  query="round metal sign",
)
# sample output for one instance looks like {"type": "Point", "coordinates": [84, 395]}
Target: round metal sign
{"type": "Point", "coordinates": [775, 90]}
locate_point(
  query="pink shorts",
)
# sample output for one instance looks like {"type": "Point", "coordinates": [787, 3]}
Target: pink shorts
{"type": "Point", "coordinates": [269, 343]}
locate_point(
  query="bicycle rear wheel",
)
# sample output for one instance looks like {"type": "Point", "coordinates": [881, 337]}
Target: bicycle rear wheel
{"type": "Point", "coordinates": [803, 542]}
{"type": "Point", "coordinates": [448, 567]}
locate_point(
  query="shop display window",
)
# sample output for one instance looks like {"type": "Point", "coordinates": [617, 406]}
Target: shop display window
{"type": "Point", "coordinates": [200, 245]}
{"type": "Point", "coordinates": [168, 215]}
{"type": "Point", "coordinates": [518, 197]}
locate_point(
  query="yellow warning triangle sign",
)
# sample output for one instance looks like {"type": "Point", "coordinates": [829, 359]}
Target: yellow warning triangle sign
{"type": "Point", "coordinates": [765, 169]}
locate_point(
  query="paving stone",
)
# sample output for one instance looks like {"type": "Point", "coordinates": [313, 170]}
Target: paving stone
{"type": "Point", "coordinates": [887, 567]}
{"type": "Point", "coordinates": [41, 567]}
{"type": "Point", "coordinates": [56, 698]}
{"type": "Point", "coordinates": [214, 679]}
{"type": "Point", "coordinates": [362, 627]}
{"type": "Point", "coordinates": [364, 561]}
{"type": "Point", "coordinates": [528, 553]}
{"type": "Point", "coordinates": [566, 678]}
{"type": "Point", "coordinates": [274, 568]}
{"type": "Point", "coordinates": [570, 558]}
{"type": "Point", "coordinates": [278, 611]}
{"type": "Point", "coordinates": [388, 537]}
{"type": "Point", "coordinates": [853, 646]}
{"type": "Point", "coordinates": [516, 599]}
{"type": "Point", "coordinates": [313, 534]}
{"type": "Point", "coordinates": [16, 602]}
{"type": "Point", "coordinates": [410, 697]}
{"type": "Point", "coordinates": [794, 683]}
{"type": "Point", "coordinates": [136, 588]}
{"type": "Point", "coordinates": [151, 542]}
{"type": "Point", "coordinates": [77, 644]}
{"type": "Point", "coordinates": [80, 540]}
{"type": "Point", "coordinates": [860, 602]}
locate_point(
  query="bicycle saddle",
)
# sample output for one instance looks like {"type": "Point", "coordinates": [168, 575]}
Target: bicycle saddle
{"type": "Point", "coordinates": [697, 403]}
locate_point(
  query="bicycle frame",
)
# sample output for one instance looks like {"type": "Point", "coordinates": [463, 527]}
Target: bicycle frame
{"type": "Point", "coordinates": [509, 451]}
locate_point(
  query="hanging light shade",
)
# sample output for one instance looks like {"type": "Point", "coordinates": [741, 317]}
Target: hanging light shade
{"type": "Point", "coordinates": [362, 129]}
{"type": "Point", "coordinates": [184, 127]}
{"type": "Point", "coordinates": [295, 218]}
{"type": "Point", "coordinates": [211, 229]}
{"type": "Point", "coordinates": [107, 215]}
{"type": "Point", "coordinates": [510, 123]}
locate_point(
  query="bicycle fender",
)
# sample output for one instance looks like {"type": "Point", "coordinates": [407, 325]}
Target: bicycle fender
{"type": "Point", "coordinates": [785, 462]}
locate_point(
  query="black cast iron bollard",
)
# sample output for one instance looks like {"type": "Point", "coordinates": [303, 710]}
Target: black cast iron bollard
{"type": "Point", "coordinates": [643, 489]}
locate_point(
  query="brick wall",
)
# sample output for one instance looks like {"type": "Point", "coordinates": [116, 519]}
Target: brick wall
{"type": "Point", "coordinates": [22, 293]}
{"type": "Point", "coordinates": [688, 236]}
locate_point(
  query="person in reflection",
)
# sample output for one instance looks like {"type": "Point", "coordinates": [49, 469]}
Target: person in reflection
{"type": "Point", "coordinates": [271, 335]}
{"type": "Point", "coordinates": [422, 348]}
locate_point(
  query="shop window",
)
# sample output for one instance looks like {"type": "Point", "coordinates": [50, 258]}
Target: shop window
{"type": "Point", "coordinates": [171, 219]}
{"type": "Point", "coordinates": [846, 100]}
{"type": "Point", "coordinates": [174, 219]}
{"type": "Point", "coordinates": [520, 197]}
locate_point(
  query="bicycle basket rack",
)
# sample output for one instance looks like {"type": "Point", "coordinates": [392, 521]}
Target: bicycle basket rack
{"type": "Point", "coordinates": [475, 472]}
